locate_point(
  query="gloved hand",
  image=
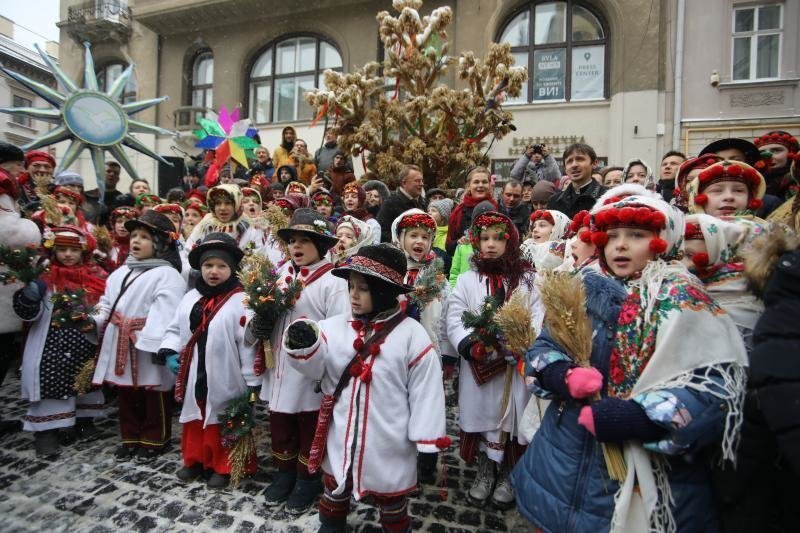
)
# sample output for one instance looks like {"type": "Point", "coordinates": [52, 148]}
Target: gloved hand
{"type": "Point", "coordinates": [260, 327]}
{"type": "Point", "coordinates": [34, 291]}
{"type": "Point", "coordinates": [173, 363]}
{"type": "Point", "coordinates": [299, 335]}
{"type": "Point", "coordinates": [584, 382]}
{"type": "Point", "coordinates": [586, 419]}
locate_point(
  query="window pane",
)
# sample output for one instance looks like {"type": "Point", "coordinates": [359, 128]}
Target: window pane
{"type": "Point", "coordinates": [767, 62]}
{"type": "Point", "coordinates": [285, 57]}
{"type": "Point", "coordinates": [204, 71]}
{"type": "Point", "coordinates": [306, 55]}
{"type": "Point", "coordinates": [284, 100]}
{"type": "Point", "coordinates": [263, 66]}
{"type": "Point", "coordinates": [551, 23]}
{"type": "Point", "coordinates": [741, 58]}
{"type": "Point", "coordinates": [585, 26]}
{"type": "Point", "coordinates": [548, 74]}
{"type": "Point", "coordinates": [209, 97]}
{"type": "Point", "coordinates": [743, 20]}
{"type": "Point", "coordinates": [262, 103]}
{"type": "Point", "coordinates": [516, 33]}
{"type": "Point", "coordinates": [588, 72]}
{"type": "Point", "coordinates": [328, 56]}
{"type": "Point", "coordinates": [520, 60]}
{"type": "Point", "coordinates": [304, 84]}
{"type": "Point", "coordinates": [769, 17]}
{"type": "Point", "coordinates": [197, 98]}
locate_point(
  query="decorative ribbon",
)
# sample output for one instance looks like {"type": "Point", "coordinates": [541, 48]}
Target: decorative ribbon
{"type": "Point", "coordinates": [126, 343]}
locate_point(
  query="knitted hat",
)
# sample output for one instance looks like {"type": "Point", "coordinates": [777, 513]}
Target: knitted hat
{"type": "Point", "coordinates": [559, 220]}
{"type": "Point", "coordinates": [444, 206]}
{"type": "Point", "coordinates": [126, 212]}
{"type": "Point", "coordinates": [153, 222]}
{"type": "Point", "coordinates": [778, 137]}
{"type": "Point", "coordinates": [37, 155]}
{"type": "Point", "coordinates": [726, 171]}
{"type": "Point", "coordinates": [9, 152]}
{"type": "Point", "coordinates": [435, 190]}
{"type": "Point", "coordinates": [750, 151]}
{"type": "Point", "coordinates": [542, 191]}
{"type": "Point", "coordinates": [375, 185]}
{"type": "Point", "coordinates": [170, 208]}
{"type": "Point", "coordinates": [219, 245]}
{"type": "Point", "coordinates": [309, 223]}
{"type": "Point", "coordinates": [228, 191]}
{"type": "Point", "coordinates": [384, 262]}
{"type": "Point", "coordinates": [68, 177]}
{"type": "Point", "coordinates": [412, 218]}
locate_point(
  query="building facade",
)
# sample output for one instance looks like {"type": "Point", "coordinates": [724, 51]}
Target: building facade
{"type": "Point", "coordinates": [600, 71]}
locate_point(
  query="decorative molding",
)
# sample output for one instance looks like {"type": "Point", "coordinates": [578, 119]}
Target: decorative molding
{"type": "Point", "coordinates": [787, 82]}
{"type": "Point", "coordinates": [757, 99]}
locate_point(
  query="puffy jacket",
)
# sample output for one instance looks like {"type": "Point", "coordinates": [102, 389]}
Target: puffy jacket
{"type": "Point", "coordinates": [561, 482]}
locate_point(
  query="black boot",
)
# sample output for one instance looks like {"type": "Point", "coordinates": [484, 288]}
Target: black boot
{"type": "Point", "coordinates": [426, 468]}
{"type": "Point", "coordinates": [46, 444]}
{"type": "Point", "coordinates": [280, 488]}
{"type": "Point", "coordinates": [332, 525]}
{"type": "Point", "coordinates": [218, 481]}
{"type": "Point", "coordinates": [190, 473]}
{"type": "Point", "coordinates": [86, 429]}
{"type": "Point", "coordinates": [305, 493]}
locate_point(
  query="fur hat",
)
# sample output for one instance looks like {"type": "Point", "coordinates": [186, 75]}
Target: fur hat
{"type": "Point", "coordinates": [375, 185]}
{"type": "Point", "coordinates": [219, 245]}
{"type": "Point", "coordinates": [9, 152]}
{"type": "Point", "coordinates": [383, 261]}
{"type": "Point", "coordinates": [153, 222]}
{"type": "Point", "coordinates": [310, 223]}
{"type": "Point", "coordinates": [444, 206]}
{"type": "Point", "coordinates": [726, 171]}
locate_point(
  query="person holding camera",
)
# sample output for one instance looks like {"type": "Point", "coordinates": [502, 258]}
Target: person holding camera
{"type": "Point", "coordinates": [536, 164]}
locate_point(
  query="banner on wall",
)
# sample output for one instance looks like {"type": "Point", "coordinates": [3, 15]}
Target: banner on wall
{"type": "Point", "coordinates": [588, 72]}
{"type": "Point", "coordinates": [549, 74]}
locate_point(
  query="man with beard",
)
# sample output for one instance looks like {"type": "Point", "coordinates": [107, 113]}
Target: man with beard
{"type": "Point", "coordinates": [280, 155]}
{"type": "Point", "coordinates": [511, 205]}
{"type": "Point", "coordinates": [38, 166]}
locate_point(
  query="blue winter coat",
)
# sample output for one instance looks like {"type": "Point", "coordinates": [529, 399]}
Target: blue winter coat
{"type": "Point", "coordinates": [561, 482]}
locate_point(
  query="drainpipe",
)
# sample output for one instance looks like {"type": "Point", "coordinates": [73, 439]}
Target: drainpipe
{"type": "Point", "coordinates": [678, 86]}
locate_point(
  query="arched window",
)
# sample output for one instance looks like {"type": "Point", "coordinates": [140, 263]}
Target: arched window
{"type": "Point", "coordinates": [563, 44]}
{"type": "Point", "coordinates": [283, 72]}
{"type": "Point", "coordinates": [201, 84]}
{"type": "Point", "coordinates": [107, 75]}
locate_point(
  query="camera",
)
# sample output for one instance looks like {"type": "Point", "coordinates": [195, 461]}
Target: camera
{"type": "Point", "coordinates": [537, 149]}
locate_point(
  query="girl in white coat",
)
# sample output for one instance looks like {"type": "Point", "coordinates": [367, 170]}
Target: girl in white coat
{"type": "Point", "coordinates": [215, 366]}
{"type": "Point", "coordinates": [383, 394]}
{"type": "Point", "coordinates": [488, 433]}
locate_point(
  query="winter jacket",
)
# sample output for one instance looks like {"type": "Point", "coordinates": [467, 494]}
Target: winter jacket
{"type": "Point", "coordinates": [323, 157]}
{"type": "Point", "coordinates": [519, 215]}
{"type": "Point", "coordinates": [393, 207]}
{"type": "Point", "coordinates": [460, 263]}
{"type": "Point", "coordinates": [569, 201]}
{"type": "Point", "coordinates": [525, 170]}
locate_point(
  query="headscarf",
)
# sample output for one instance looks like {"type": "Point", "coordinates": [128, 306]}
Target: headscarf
{"type": "Point", "coordinates": [649, 180]}
{"type": "Point", "coordinates": [413, 218]}
{"type": "Point", "coordinates": [360, 229]}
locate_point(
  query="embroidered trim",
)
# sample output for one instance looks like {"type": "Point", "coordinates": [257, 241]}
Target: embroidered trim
{"type": "Point", "coordinates": [379, 268]}
{"type": "Point", "coordinates": [126, 343]}
{"type": "Point", "coordinates": [48, 418]}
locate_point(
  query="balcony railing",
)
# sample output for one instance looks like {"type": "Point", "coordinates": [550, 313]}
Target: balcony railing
{"type": "Point", "coordinates": [99, 20]}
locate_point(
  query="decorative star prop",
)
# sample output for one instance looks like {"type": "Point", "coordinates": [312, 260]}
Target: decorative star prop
{"type": "Point", "coordinates": [228, 136]}
{"type": "Point", "coordinates": [92, 119]}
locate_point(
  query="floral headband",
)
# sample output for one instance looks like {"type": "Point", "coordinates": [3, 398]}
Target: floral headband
{"type": "Point", "coordinates": [124, 212]}
{"type": "Point", "coordinates": [488, 221]}
{"type": "Point", "coordinates": [350, 187]}
{"type": "Point", "coordinates": [74, 196]}
{"type": "Point", "coordinates": [196, 205]}
{"type": "Point", "coordinates": [169, 208]}
{"type": "Point", "coordinates": [542, 214]}
{"type": "Point", "coordinates": [419, 220]}
{"type": "Point", "coordinates": [149, 200]}
{"type": "Point", "coordinates": [630, 217]}
{"type": "Point", "coordinates": [322, 198]}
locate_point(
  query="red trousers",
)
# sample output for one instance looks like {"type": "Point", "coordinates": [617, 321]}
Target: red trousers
{"type": "Point", "coordinates": [292, 436]}
{"type": "Point", "coordinates": [204, 446]}
{"type": "Point", "coordinates": [145, 416]}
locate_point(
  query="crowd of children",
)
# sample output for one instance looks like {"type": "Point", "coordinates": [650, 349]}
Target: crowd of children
{"type": "Point", "coordinates": [353, 372]}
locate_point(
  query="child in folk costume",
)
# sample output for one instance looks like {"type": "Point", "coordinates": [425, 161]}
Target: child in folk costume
{"type": "Point", "coordinates": [55, 352]}
{"type": "Point", "coordinates": [146, 201]}
{"type": "Point", "coordinates": [293, 400]}
{"type": "Point", "coordinates": [545, 246]}
{"type": "Point", "coordinates": [215, 365]}
{"type": "Point", "coordinates": [139, 303]}
{"type": "Point", "coordinates": [462, 256]}
{"type": "Point", "coordinates": [669, 367]}
{"type": "Point", "coordinates": [353, 234]}
{"type": "Point", "coordinates": [120, 236]}
{"type": "Point", "coordinates": [488, 434]}
{"type": "Point", "coordinates": [726, 188]}
{"type": "Point", "coordinates": [194, 210]}
{"type": "Point", "coordinates": [225, 216]}
{"type": "Point", "coordinates": [384, 398]}
{"type": "Point", "coordinates": [354, 199]}
{"type": "Point", "coordinates": [324, 203]}
{"type": "Point", "coordinates": [713, 252]}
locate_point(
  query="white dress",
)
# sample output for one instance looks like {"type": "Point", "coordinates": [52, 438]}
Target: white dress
{"type": "Point", "coordinates": [153, 299]}
{"type": "Point", "coordinates": [377, 427]}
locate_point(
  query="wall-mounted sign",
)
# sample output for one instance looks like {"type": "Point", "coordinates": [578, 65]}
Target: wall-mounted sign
{"type": "Point", "coordinates": [588, 74]}
{"type": "Point", "coordinates": [556, 143]}
{"type": "Point", "coordinates": [549, 72]}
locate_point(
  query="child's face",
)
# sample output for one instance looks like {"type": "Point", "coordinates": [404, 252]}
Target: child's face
{"type": "Point", "coordinates": [581, 251]}
{"type": "Point", "coordinates": [726, 198]}
{"type": "Point", "coordinates": [492, 243]}
{"type": "Point", "coordinates": [325, 210]}
{"type": "Point", "coordinates": [350, 201]}
{"type": "Point", "coordinates": [302, 250]}
{"type": "Point", "coordinates": [142, 244]}
{"type": "Point", "coordinates": [417, 243]}
{"type": "Point", "coordinates": [437, 216]}
{"type": "Point", "coordinates": [636, 174]}
{"type": "Point", "coordinates": [119, 227]}
{"type": "Point", "coordinates": [374, 198]}
{"type": "Point", "coordinates": [628, 250]}
{"type": "Point", "coordinates": [68, 255]}
{"type": "Point", "coordinates": [780, 155]}
{"type": "Point", "coordinates": [690, 248]}
{"type": "Point", "coordinates": [360, 297]}
{"type": "Point", "coordinates": [192, 218]}
{"type": "Point", "coordinates": [62, 199]}
{"type": "Point", "coordinates": [140, 187]}
{"type": "Point", "coordinates": [347, 238]}
{"type": "Point", "coordinates": [251, 206]}
{"type": "Point", "coordinates": [175, 218]}
{"type": "Point", "coordinates": [541, 231]}
{"type": "Point", "coordinates": [215, 271]}
{"type": "Point", "coordinates": [223, 210]}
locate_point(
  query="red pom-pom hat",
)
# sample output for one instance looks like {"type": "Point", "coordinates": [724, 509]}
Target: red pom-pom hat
{"type": "Point", "coordinates": [542, 214]}
{"type": "Point", "coordinates": [726, 171]}
{"type": "Point", "coordinates": [778, 137]}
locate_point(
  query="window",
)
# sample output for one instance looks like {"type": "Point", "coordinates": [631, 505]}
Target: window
{"type": "Point", "coordinates": [563, 44]}
{"type": "Point", "coordinates": [107, 75]}
{"type": "Point", "coordinates": [757, 42]}
{"type": "Point", "coordinates": [19, 101]}
{"type": "Point", "coordinates": [286, 70]}
{"type": "Point", "coordinates": [202, 82]}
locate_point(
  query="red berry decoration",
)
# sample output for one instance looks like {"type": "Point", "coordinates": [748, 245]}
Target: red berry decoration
{"type": "Point", "coordinates": [358, 344]}
{"type": "Point", "coordinates": [242, 321]}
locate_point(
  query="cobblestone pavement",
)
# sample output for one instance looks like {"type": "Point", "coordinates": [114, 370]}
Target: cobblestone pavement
{"type": "Point", "coordinates": [85, 490]}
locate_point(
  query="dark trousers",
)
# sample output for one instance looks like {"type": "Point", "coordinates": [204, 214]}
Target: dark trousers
{"type": "Point", "coordinates": [145, 416]}
{"type": "Point", "coordinates": [292, 435]}
{"type": "Point", "coordinates": [333, 509]}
